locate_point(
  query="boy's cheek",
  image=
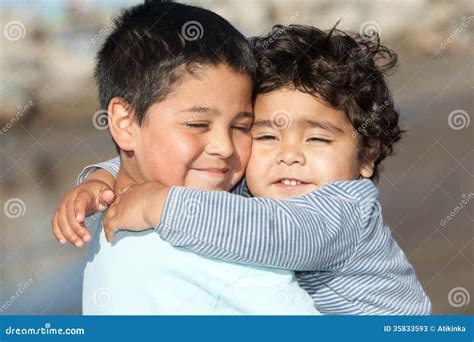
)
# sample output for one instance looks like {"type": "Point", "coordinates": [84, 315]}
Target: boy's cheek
{"type": "Point", "coordinates": [243, 150]}
{"type": "Point", "coordinates": [335, 167]}
{"type": "Point", "coordinates": [166, 159]}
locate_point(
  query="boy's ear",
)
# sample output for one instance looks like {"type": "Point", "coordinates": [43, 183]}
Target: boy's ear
{"type": "Point", "coordinates": [367, 166]}
{"type": "Point", "coordinates": [121, 123]}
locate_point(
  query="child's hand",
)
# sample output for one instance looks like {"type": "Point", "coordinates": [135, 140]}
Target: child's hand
{"type": "Point", "coordinates": [68, 220]}
{"type": "Point", "coordinates": [137, 208]}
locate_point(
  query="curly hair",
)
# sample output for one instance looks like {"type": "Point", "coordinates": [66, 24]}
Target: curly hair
{"type": "Point", "coordinates": [346, 71]}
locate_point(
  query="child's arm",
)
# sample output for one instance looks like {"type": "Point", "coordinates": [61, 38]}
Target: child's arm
{"type": "Point", "coordinates": [318, 231]}
{"type": "Point", "coordinates": [93, 195]}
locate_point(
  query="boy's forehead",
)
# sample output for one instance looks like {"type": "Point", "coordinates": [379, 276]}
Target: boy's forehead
{"type": "Point", "coordinates": [300, 109]}
{"type": "Point", "coordinates": [211, 81]}
{"type": "Point", "coordinates": [213, 90]}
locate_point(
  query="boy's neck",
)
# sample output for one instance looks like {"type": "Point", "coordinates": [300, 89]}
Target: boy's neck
{"type": "Point", "coordinates": [128, 173]}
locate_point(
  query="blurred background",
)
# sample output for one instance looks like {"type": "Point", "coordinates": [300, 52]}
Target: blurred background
{"type": "Point", "coordinates": [51, 127]}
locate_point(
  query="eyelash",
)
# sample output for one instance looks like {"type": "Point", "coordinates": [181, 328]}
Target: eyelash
{"type": "Point", "coordinates": [271, 137]}
{"type": "Point", "coordinates": [266, 137]}
{"type": "Point", "coordinates": [205, 125]}
{"type": "Point", "coordinates": [242, 128]}
{"type": "Point", "coordinates": [196, 125]}
{"type": "Point", "coordinates": [319, 139]}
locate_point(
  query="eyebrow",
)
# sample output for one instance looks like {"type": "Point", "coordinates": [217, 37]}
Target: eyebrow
{"type": "Point", "coordinates": [324, 125]}
{"type": "Point", "coordinates": [311, 123]}
{"type": "Point", "coordinates": [204, 109]}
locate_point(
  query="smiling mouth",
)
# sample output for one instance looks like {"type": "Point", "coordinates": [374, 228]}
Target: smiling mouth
{"type": "Point", "coordinates": [290, 182]}
{"type": "Point", "coordinates": [214, 172]}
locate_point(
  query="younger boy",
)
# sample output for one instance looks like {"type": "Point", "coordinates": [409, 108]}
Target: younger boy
{"type": "Point", "coordinates": [311, 167]}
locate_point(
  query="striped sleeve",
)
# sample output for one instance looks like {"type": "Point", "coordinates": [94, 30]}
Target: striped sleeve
{"type": "Point", "coordinates": [378, 279]}
{"type": "Point", "coordinates": [317, 232]}
{"type": "Point", "coordinates": [112, 165]}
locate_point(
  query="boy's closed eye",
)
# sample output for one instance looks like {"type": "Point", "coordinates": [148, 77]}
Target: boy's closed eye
{"type": "Point", "coordinates": [319, 140]}
{"type": "Point", "coordinates": [203, 126]}
{"type": "Point", "coordinates": [265, 137]}
{"type": "Point", "coordinates": [269, 137]}
{"type": "Point", "coordinates": [197, 125]}
{"type": "Point", "coordinates": [243, 128]}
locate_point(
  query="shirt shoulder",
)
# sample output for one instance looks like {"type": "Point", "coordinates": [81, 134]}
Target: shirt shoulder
{"type": "Point", "coordinates": [355, 190]}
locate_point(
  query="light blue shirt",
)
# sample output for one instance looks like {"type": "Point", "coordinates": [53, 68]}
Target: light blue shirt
{"type": "Point", "coordinates": [142, 274]}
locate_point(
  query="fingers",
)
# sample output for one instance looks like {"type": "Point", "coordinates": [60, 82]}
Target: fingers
{"type": "Point", "coordinates": [83, 204]}
{"type": "Point", "coordinates": [105, 198]}
{"type": "Point", "coordinates": [66, 229]}
{"type": "Point", "coordinates": [109, 228]}
{"type": "Point", "coordinates": [56, 231]}
{"type": "Point", "coordinates": [78, 227]}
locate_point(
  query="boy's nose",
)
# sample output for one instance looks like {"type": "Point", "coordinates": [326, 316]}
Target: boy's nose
{"type": "Point", "coordinates": [221, 145]}
{"type": "Point", "coordinates": [290, 156]}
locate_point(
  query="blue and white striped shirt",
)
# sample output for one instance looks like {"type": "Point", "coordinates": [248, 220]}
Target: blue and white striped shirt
{"type": "Point", "coordinates": [334, 238]}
